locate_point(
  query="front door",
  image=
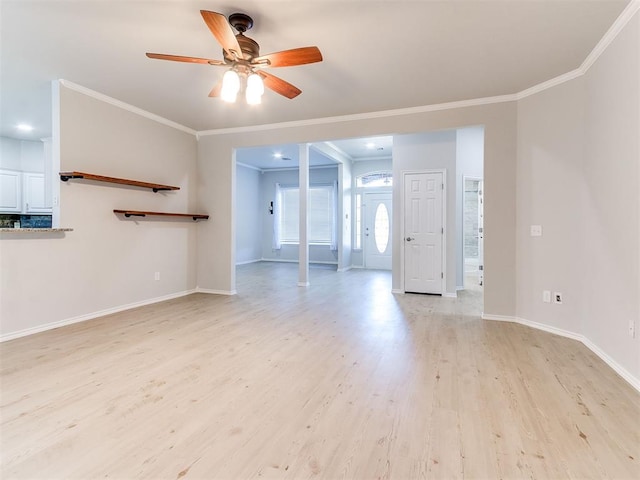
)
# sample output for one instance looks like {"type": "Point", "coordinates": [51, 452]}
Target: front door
{"type": "Point", "coordinates": [423, 232]}
{"type": "Point", "coordinates": [377, 230]}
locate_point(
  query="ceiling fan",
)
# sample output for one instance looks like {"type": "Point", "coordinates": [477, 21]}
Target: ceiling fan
{"type": "Point", "coordinates": [242, 55]}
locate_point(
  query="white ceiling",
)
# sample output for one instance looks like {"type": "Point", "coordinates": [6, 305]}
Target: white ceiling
{"type": "Point", "coordinates": [367, 148]}
{"type": "Point", "coordinates": [320, 154]}
{"type": "Point", "coordinates": [263, 158]}
{"type": "Point", "coordinates": [378, 55]}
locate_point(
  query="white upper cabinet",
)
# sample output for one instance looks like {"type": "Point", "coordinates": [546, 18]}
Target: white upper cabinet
{"type": "Point", "coordinates": [23, 192]}
{"type": "Point", "coordinates": [34, 193]}
{"type": "Point", "coordinates": [10, 191]}
{"type": "Point", "coordinates": [25, 176]}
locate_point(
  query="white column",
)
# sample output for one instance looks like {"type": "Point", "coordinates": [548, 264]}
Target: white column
{"type": "Point", "coordinates": [55, 151]}
{"type": "Point", "coordinates": [340, 220]}
{"type": "Point", "coordinates": [303, 255]}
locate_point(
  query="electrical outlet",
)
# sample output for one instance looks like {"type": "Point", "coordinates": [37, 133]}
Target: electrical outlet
{"type": "Point", "coordinates": [535, 230]}
{"type": "Point", "coordinates": [546, 296]}
{"type": "Point", "coordinates": [157, 276]}
{"type": "Point", "coordinates": [632, 329]}
{"type": "Point", "coordinates": [557, 298]}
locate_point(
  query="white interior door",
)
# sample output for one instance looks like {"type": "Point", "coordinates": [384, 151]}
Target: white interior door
{"type": "Point", "coordinates": [377, 231]}
{"type": "Point", "coordinates": [423, 233]}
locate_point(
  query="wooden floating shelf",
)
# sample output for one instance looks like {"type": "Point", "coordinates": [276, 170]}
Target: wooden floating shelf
{"type": "Point", "coordinates": [138, 213]}
{"type": "Point", "coordinates": [156, 187]}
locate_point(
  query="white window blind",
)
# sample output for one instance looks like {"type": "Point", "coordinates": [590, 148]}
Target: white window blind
{"type": "Point", "coordinates": [321, 214]}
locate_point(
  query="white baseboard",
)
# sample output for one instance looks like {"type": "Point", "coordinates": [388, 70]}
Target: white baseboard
{"type": "Point", "coordinates": [499, 318]}
{"type": "Point", "coordinates": [450, 295]}
{"type": "Point", "coordinates": [90, 316]}
{"type": "Point", "coordinates": [279, 260]}
{"type": "Point", "coordinates": [633, 381]}
{"type": "Point", "coordinates": [303, 284]}
{"type": "Point", "coordinates": [550, 329]}
{"type": "Point", "coordinates": [282, 260]}
{"type": "Point", "coordinates": [216, 292]}
{"type": "Point", "coordinates": [248, 262]}
{"type": "Point", "coordinates": [397, 290]}
{"type": "Point", "coordinates": [345, 269]}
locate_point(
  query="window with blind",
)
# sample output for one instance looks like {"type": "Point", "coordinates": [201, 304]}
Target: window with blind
{"type": "Point", "coordinates": [321, 214]}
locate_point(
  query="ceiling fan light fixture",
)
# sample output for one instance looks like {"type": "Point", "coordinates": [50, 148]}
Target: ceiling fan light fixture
{"type": "Point", "coordinates": [242, 55]}
{"type": "Point", "coordinates": [255, 89]}
{"type": "Point", "coordinates": [230, 86]}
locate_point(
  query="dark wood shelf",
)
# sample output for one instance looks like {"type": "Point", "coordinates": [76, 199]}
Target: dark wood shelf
{"type": "Point", "coordinates": [139, 213]}
{"type": "Point", "coordinates": [156, 187]}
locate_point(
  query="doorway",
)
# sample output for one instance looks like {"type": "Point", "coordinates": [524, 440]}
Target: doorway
{"type": "Point", "coordinates": [377, 231]}
{"type": "Point", "coordinates": [473, 227]}
{"type": "Point", "coordinates": [424, 232]}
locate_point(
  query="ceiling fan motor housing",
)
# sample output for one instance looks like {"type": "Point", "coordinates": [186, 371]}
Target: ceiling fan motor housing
{"type": "Point", "coordinates": [250, 48]}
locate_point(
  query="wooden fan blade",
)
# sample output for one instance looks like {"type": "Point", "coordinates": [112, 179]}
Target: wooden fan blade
{"type": "Point", "coordinates": [219, 26]}
{"type": "Point", "coordinates": [215, 91]}
{"type": "Point", "coordinates": [290, 58]}
{"type": "Point", "coordinates": [279, 86]}
{"type": "Point", "coordinates": [178, 58]}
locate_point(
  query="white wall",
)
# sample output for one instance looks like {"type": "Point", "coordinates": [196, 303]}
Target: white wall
{"type": "Point", "coordinates": [578, 177]}
{"type": "Point", "coordinates": [317, 253]}
{"type": "Point", "coordinates": [249, 213]}
{"type": "Point", "coordinates": [612, 210]}
{"type": "Point", "coordinates": [550, 194]}
{"type": "Point", "coordinates": [106, 262]}
{"type": "Point", "coordinates": [469, 163]}
{"type": "Point", "coordinates": [426, 151]}
{"type": "Point", "coordinates": [23, 155]}
{"type": "Point", "coordinates": [10, 154]}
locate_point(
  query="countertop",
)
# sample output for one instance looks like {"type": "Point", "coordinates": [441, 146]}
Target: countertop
{"type": "Point", "coordinates": [35, 230]}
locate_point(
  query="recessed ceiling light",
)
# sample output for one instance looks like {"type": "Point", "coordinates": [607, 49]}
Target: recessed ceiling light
{"type": "Point", "coordinates": [24, 127]}
{"type": "Point", "coordinates": [370, 145]}
{"type": "Point", "coordinates": [277, 155]}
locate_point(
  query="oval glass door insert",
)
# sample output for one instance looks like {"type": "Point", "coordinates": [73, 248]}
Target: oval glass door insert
{"type": "Point", "coordinates": [381, 228]}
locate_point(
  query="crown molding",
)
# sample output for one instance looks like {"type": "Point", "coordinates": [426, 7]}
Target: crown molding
{"type": "Point", "coordinates": [622, 20]}
{"type": "Point", "coordinates": [606, 40]}
{"type": "Point", "coordinates": [627, 14]}
{"type": "Point", "coordinates": [246, 165]}
{"type": "Point", "coordinates": [541, 87]}
{"type": "Point", "coordinates": [125, 106]}
{"type": "Point", "coordinates": [362, 116]}
{"type": "Point", "coordinates": [330, 150]}
{"type": "Point", "coordinates": [617, 26]}
{"type": "Point", "coordinates": [372, 159]}
{"type": "Point", "coordinates": [288, 169]}
{"type": "Point", "coordinates": [284, 169]}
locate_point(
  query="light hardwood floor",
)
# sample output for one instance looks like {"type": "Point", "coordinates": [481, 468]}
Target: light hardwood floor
{"type": "Point", "coordinates": [338, 380]}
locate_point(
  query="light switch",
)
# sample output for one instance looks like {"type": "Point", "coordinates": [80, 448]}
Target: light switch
{"type": "Point", "coordinates": [536, 230]}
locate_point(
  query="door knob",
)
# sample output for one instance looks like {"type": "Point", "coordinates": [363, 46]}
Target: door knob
{"type": "Point", "coordinates": [410, 238]}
